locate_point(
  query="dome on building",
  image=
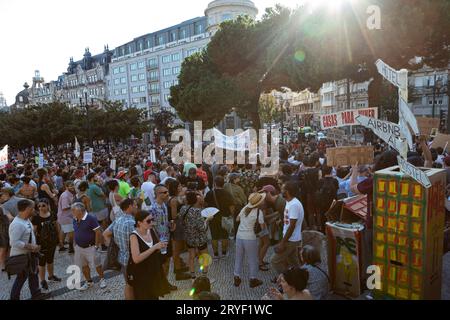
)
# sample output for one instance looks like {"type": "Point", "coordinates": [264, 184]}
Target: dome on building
{"type": "Point", "coordinates": [23, 97]}
{"type": "Point", "coordinates": [219, 11]}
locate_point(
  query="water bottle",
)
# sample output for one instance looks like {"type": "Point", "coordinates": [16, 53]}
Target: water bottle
{"type": "Point", "coordinates": [164, 250]}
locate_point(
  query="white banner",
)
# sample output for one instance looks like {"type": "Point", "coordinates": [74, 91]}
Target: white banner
{"type": "Point", "coordinates": [153, 155]}
{"type": "Point", "coordinates": [346, 118]}
{"type": "Point", "coordinates": [397, 78]}
{"type": "Point", "coordinates": [414, 172]}
{"type": "Point", "coordinates": [240, 142]}
{"type": "Point", "coordinates": [387, 131]}
{"type": "Point", "coordinates": [77, 150]}
{"type": "Point", "coordinates": [4, 157]}
{"type": "Point", "coordinates": [406, 113]}
{"type": "Point", "coordinates": [41, 160]}
{"type": "Point", "coordinates": [113, 164]}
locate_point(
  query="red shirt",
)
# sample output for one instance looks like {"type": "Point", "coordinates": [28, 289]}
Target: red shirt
{"type": "Point", "coordinates": [146, 174]}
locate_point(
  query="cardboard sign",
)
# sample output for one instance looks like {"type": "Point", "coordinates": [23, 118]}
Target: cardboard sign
{"type": "Point", "coordinates": [397, 78]}
{"type": "Point", "coordinates": [406, 113]}
{"type": "Point", "coordinates": [414, 172]}
{"type": "Point", "coordinates": [4, 157]}
{"type": "Point", "coordinates": [426, 125]}
{"type": "Point", "coordinates": [336, 134]}
{"type": "Point", "coordinates": [153, 155]}
{"type": "Point", "coordinates": [345, 118]}
{"type": "Point", "coordinates": [442, 140]}
{"type": "Point", "coordinates": [347, 156]}
{"type": "Point", "coordinates": [87, 157]}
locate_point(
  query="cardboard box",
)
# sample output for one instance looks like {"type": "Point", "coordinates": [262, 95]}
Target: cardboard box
{"type": "Point", "coordinates": [408, 234]}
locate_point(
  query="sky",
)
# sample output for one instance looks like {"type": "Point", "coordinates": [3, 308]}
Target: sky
{"type": "Point", "coordinates": [43, 35]}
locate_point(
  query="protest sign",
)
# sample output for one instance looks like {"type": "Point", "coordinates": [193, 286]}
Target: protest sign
{"type": "Point", "coordinates": [415, 173]}
{"type": "Point", "coordinates": [337, 135]}
{"type": "Point", "coordinates": [397, 78]}
{"type": "Point", "coordinates": [442, 140]}
{"type": "Point", "coordinates": [4, 157]}
{"type": "Point", "coordinates": [346, 156]}
{"type": "Point", "coordinates": [87, 157]}
{"type": "Point", "coordinates": [153, 155]}
{"type": "Point", "coordinates": [426, 125]}
{"type": "Point", "coordinates": [408, 116]}
{"type": "Point", "coordinates": [345, 118]}
{"type": "Point", "coordinates": [77, 152]}
{"type": "Point", "coordinates": [113, 164]}
{"type": "Point", "coordinates": [405, 132]}
{"type": "Point", "coordinates": [41, 160]}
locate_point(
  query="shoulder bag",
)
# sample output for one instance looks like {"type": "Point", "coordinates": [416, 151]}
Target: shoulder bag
{"type": "Point", "coordinates": [227, 223]}
{"type": "Point", "coordinates": [17, 264]}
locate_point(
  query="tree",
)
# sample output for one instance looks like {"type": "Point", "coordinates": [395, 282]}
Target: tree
{"type": "Point", "coordinates": [163, 121]}
{"type": "Point", "coordinates": [268, 110]}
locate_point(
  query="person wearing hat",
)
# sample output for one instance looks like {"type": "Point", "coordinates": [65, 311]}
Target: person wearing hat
{"type": "Point", "coordinates": [247, 239]}
{"type": "Point", "coordinates": [124, 187]}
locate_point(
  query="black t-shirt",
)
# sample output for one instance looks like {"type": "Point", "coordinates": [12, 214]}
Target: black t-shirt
{"type": "Point", "coordinates": [327, 192]}
{"type": "Point", "coordinates": [196, 183]}
{"type": "Point", "coordinates": [38, 221]}
{"type": "Point", "coordinates": [225, 201]}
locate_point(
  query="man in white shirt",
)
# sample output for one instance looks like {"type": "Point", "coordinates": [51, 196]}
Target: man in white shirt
{"type": "Point", "coordinates": [148, 188]}
{"type": "Point", "coordinates": [286, 253]}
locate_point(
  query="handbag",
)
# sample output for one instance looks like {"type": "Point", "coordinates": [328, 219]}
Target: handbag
{"type": "Point", "coordinates": [112, 257]}
{"type": "Point", "coordinates": [17, 264]}
{"type": "Point", "coordinates": [227, 223]}
{"type": "Point", "coordinates": [257, 228]}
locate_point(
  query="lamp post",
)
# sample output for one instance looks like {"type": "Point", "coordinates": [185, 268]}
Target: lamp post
{"type": "Point", "coordinates": [86, 105]}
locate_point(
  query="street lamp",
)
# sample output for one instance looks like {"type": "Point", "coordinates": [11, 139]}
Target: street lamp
{"type": "Point", "coordinates": [87, 106]}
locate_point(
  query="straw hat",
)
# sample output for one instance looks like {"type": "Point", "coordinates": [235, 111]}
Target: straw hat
{"type": "Point", "coordinates": [255, 199]}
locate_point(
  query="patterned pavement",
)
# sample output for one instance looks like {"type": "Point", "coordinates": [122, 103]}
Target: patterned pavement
{"type": "Point", "coordinates": [221, 272]}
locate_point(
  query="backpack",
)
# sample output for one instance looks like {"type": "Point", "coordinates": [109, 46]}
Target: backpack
{"type": "Point", "coordinates": [325, 195]}
{"type": "Point", "coordinates": [49, 234]}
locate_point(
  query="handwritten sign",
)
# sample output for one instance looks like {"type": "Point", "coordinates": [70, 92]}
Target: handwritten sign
{"type": "Point", "coordinates": [345, 118]}
{"type": "Point", "coordinates": [387, 131]}
{"type": "Point", "coordinates": [345, 156]}
{"type": "Point", "coordinates": [336, 134]}
{"type": "Point", "coordinates": [4, 157]}
{"type": "Point", "coordinates": [406, 113]}
{"type": "Point", "coordinates": [426, 125]}
{"type": "Point", "coordinates": [397, 78]}
{"type": "Point", "coordinates": [415, 173]}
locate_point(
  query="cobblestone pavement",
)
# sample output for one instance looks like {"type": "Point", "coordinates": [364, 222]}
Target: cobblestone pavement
{"type": "Point", "coordinates": [221, 272]}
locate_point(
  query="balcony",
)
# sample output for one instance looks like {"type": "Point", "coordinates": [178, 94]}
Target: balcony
{"type": "Point", "coordinates": [154, 91]}
{"type": "Point", "coordinates": [152, 66]}
{"type": "Point", "coordinates": [153, 79]}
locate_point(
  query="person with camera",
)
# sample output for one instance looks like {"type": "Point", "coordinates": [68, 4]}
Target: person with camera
{"type": "Point", "coordinates": [24, 252]}
{"type": "Point", "coordinates": [251, 223]}
{"type": "Point", "coordinates": [47, 237]}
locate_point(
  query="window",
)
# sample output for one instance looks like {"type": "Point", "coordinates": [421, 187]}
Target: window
{"type": "Point", "coordinates": [173, 36]}
{"type": "Point", "coordinates": [190, 52]}
{"type": "Point", "coordinates": [152, 62]}
{"type": "Point", "coordinates": [149, 44]}
{"type": "Point", "coordinates": [133, 66]}
{"type": "Point", "coordinates": [176, 70]}
{"type": "Point", "coordinates": [167, 84]}
{"type": "Point", "coordinates": [135, 100]}
{"type": "Point", "coordinates": [167, 72]}
{"type": "Point", "coordinates": [141, 76]}
{"type": "Point", "coordinates": [134, 78]}
{"type": "Point", "coordinates": [117, 81]}
{"type": "Point", "coordinates": [123, 80]}
{"type": "Point", "coordinates": [143, 100]}
{"type": "Point", "coordinates": [116, 70]}
{"type": "Point", "coordinates": [135, 89]}
{"type": "Point", "coordinates": [176, 57]}
{"type": "Point", "coordinates": [166, 97]}
{"type": "Point", "coordinates": [142, 88]}
{"type": "Point", "coordinates": [122, 69]}
{"type": "Point", "coordinates": [154, 87]}
{"type": "Point", "coordinates": [227, 16]}
{"type": "Point", "coordinates": [124, 90]}
{"type": "Point", "coordinates": [198, 29]}
{"type": "Point", "coordinates": [160, 40]}
{"type": "Point", "coordinates": [141, 64]}
{"type": "Point", "coordinates": [166, 59]}
{"type": "Point", "coordinates": [176, 82]}
{"type": "Point", "coordinates": [141, 46]}
{"type": "Point", "coordinates": [183, 34]}
{"type": "Point", "coordinates": [153, 75]}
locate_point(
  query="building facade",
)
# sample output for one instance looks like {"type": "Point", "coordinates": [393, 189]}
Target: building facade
{"type": "Point", "coordinates": [429, 90]}
{"type": "Point", "coordinates": [3, 105]}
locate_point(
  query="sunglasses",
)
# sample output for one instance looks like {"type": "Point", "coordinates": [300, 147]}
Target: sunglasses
{"type": "Point", "coordinates": [148, 221]}
{"type": "Point", "coordinates": [165, 192]}
{"type": "Point", "coordinates": [42, 206]}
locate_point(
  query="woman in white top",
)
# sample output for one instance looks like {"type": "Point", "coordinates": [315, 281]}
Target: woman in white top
{"type": "Point", "coordinates": [247, 240]}
{"type": "Point", "coordinates": [114, 199]}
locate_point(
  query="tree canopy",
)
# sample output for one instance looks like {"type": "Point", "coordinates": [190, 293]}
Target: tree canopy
{"type": "Point", "coordinates": [304, 48]}
{"type": "Point", "coordinates": [56, 123]}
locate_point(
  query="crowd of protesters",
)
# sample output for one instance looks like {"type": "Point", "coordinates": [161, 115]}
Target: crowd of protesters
{"type": "Point", "coordinates": [151, 211]}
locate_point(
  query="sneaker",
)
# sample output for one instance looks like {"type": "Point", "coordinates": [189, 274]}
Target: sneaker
{"type": "Point", "coordinates": [86, 286]}
{"type": "Point", "coordinates": [102, 283]}
{"type": "Point", "coordinates": [182, 276]}
{"type": "Point", "coordinates": [237, 281]}
{"type": "Point", "coordinates": [54, 278]}
{"type": "Point", "coordinates": [44, 285]}
{"type": "Point", "coordinates": [62, 249]}
{"type": "Point", "coordinates": [255, 283]}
